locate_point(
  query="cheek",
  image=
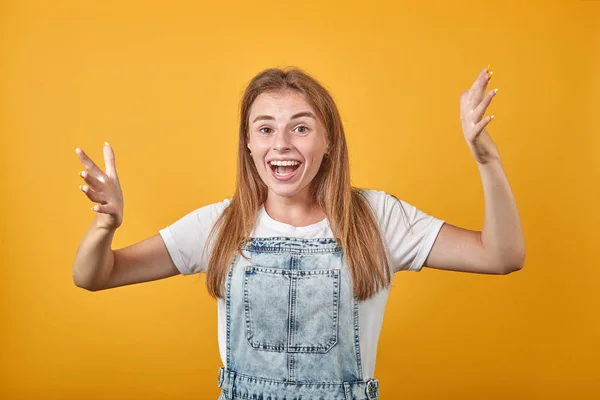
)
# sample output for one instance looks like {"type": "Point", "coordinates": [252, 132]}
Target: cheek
{"type": "Point", "coordinates": [256, 152]}
{"type": "Point", "coordinates": [258, 146]}
{"type": "Point", "coordinates": [315, 154]}
{"type": "Point", "coordinates": [258, 159]}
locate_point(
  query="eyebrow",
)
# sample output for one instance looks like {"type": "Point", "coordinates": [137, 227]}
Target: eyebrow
{"type": "Point", "coordinates": [298, 115]}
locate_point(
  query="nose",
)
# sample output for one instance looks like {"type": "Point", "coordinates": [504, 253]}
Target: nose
{"type": "Point", "coordinates": [281, 141]}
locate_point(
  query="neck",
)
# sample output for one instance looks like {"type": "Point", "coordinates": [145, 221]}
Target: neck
{"type": "Point", "coordinates": [298, 210]}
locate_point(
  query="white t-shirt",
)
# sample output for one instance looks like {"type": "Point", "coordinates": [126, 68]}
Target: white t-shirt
{"type": "Point", "coordinates": [407, 250]}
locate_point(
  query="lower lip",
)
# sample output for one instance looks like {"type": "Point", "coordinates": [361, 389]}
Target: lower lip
{"type": "Point", "coordinates": [284, 177]}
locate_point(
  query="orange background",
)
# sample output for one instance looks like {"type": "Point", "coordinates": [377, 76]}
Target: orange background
{"type": "Point", "coordinates": [162, 83]}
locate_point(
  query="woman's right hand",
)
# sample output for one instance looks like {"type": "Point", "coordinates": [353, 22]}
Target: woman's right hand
{"type": "Point", "coordinates": [103, 188]}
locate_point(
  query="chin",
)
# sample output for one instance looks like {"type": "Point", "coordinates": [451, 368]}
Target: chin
{"type": "Point", "coordinates": [299, 186]}
{"type": "Point", "coordinates": [284, 192]}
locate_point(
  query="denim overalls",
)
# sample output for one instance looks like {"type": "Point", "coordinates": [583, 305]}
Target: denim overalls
{"type": "Point", "coordinates": [292, 324]}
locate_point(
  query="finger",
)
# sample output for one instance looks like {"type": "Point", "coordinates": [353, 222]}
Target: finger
{"type": "Point", "coordinates": [478, 88]}
{"type": "Point", "coordinates": [482, 107]}
{"type": "Point", "coordinates": [89, 165]}
{"type": "Point", "coordinates": [92, 195]}
{"type": "Point", "coordinates": [94, 183]}
{"type": "Point", "coordinates": [104, 209]}
{"type": "Point", "coordinates": [483, 123]}
{"type": "Point", "coordinates": [109, 160]}
{"type": "Point", "coordinates": [463, 100]}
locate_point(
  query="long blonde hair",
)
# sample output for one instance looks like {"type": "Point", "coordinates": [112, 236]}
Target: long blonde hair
{"type": "Point", "coordinates": [352, 221]}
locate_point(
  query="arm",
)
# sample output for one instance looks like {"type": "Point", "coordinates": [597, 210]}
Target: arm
{"type": "Point", "coordinates": [502, 235]}
{"type": "Point", "coordinates": [500, 247]}
{"type": "Point", "coordinates": [97, 267]}
{"type": "Point", "coordinates": [94, 258]}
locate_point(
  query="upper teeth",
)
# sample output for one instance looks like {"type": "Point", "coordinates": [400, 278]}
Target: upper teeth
{"type": "Point", "coordinates": [284, 163]}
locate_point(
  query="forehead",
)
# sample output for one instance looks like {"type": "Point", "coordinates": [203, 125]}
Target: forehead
{"type": "Point", "coordinates": [279, 104]}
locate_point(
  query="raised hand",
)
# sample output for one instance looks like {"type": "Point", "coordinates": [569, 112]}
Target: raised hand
{"type": "Point", "coordinates": [103, 188]}
{"type": "Point", "coordinates": [473, 104]}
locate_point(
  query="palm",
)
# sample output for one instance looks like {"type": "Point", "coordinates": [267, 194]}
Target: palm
{"type": "Point", "coordinates": [473, 105]}
{"type": "Point", "coordinates": [103, 188]}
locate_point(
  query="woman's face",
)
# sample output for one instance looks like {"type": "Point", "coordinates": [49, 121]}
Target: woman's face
{"type": "Point", "coordinates": [287, 142]}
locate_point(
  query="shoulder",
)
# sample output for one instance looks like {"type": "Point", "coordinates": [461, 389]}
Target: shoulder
{"type": "Point", "coordinates": [214, 208]}
{"type": "Point", "coordinates": [201, 218]}
{"type": "Point", "coordinates": [381, 202]}
{"type": "Point", "coordinates": [373, 196]}
{"type": "Point", "coordinates": [208, 214]}
{"type": "Point", "coordinates": [392, 212]}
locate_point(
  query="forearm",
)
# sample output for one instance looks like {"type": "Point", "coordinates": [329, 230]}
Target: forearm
{"type": "Point", "coordinates": [502, 234]}
{"type": "Point", "coordinates": [94, 258]}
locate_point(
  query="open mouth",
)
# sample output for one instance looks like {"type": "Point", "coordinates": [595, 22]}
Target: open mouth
{"type": "Point", "coordinates": [284, 169]}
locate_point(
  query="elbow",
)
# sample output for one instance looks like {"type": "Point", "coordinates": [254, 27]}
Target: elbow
{"type": "Point", "coordinates": [514, 266]}
{"type": "Point", "coordinates": [88, 288]}
{"type": "Point", "coordinates": [82, 283]}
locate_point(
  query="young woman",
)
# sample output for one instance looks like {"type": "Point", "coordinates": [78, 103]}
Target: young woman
{"type": "Point", "coordinates": [300, 261]}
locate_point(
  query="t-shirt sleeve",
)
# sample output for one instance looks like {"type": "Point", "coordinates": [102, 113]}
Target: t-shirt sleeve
{"type": "Point", "coordinates": [186, 237]}
{"type": "Point", "coordinates": [408, 232]}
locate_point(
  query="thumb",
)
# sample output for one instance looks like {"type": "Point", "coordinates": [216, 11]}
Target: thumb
{"type": "Point", "coordinates": [109, 160]}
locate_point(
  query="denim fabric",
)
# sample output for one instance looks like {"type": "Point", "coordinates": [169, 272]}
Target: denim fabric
{"type": "Point", "coordinates": [292, 324]}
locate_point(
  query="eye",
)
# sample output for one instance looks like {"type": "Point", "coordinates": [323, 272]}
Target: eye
{"type": "Point", "coordinates": [305, 127]}
{"type": "Point", "coordinates": [261, 129]}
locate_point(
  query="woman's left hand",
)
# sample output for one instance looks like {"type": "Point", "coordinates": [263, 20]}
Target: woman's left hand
{"type": "Point", "coordinates": [473, 104]}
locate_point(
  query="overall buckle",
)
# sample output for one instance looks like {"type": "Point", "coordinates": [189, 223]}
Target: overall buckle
{"type": "Point", "coordinates": [221, 376]}
{"type": "Point", "coordinates": [371, 389]}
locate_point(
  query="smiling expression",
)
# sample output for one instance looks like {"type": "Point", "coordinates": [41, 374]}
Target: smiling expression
{"type": "Point", "coordinates": [287, 142]}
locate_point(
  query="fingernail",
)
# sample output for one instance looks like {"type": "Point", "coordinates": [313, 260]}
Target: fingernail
{"type": "Point", "coordinates": [106, 144]}
{"type": "Point", "coordinates": [491, 73]}
{"type": "Point", "coordinates": [492, 117]}
{"type": "Point", "coordinates": [95, 208]}
{"type": "Point", "coordinates": [495, 90]}
{"type": "Point", "coordinates": [488, 67]}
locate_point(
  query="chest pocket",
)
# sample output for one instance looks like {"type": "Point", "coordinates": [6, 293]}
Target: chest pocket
{"type": "Point", "coordinates": [292, 311]}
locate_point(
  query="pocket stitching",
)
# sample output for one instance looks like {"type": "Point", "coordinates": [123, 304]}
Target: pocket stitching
{"type": "Point", "coordinates": [305, 274]}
